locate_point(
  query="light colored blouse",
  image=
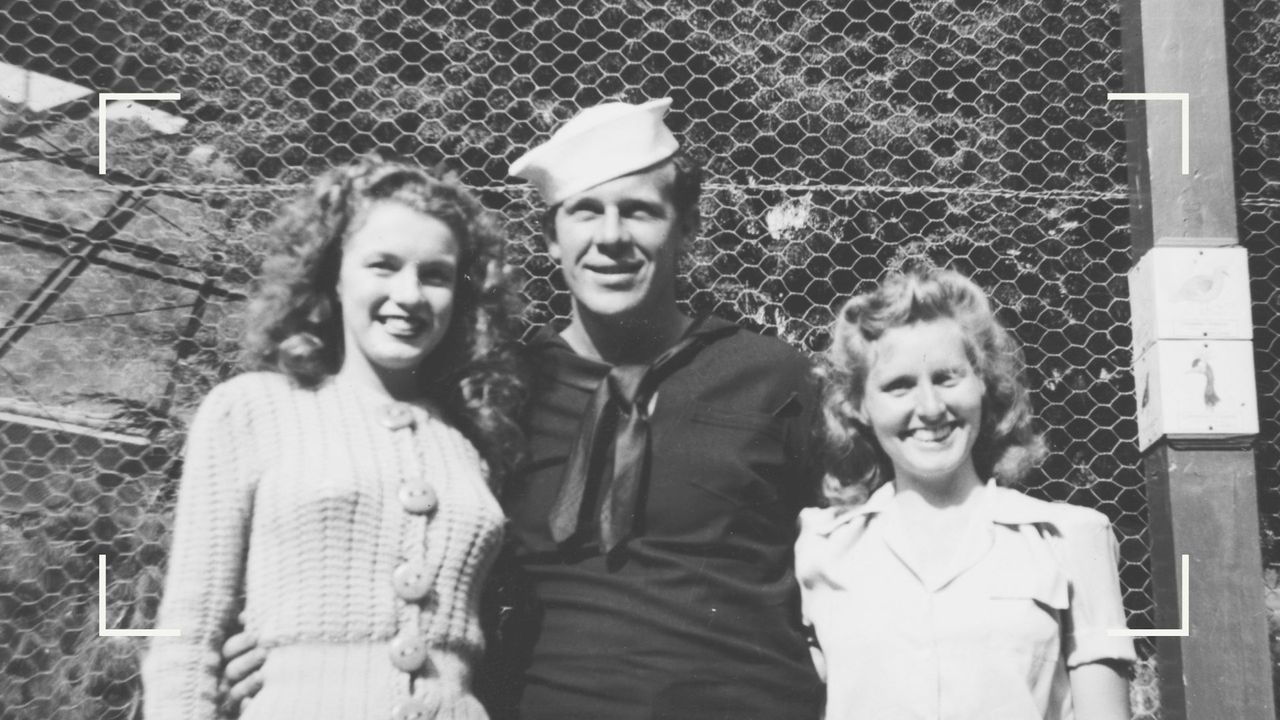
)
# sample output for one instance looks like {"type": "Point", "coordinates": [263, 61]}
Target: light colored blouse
{"type": "Point", "coordinates": [1029, 593]}
{"type": "Point", "coordinates": [358, 530]}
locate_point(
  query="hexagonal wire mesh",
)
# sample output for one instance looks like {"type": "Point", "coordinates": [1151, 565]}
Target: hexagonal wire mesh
{"type": "Point", "coordinates": [1253, 28]}
{"type": "Point", "coordinates": [841, 142]}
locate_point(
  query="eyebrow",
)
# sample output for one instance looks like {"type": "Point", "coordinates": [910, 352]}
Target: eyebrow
{"type": "Point", "coordinates": [441, 263]}
{"type": "Point", "coordinates": [375, 255]}
{"type": "Point", "coordinates": [655, 206]}
{"type": "Point", "coordinates": [581, 203]}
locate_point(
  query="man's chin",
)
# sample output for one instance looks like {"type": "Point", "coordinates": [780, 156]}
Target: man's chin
{"type": "Point", "coordinates": [612, 306]}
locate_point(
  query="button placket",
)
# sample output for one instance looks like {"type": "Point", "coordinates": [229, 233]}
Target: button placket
{"type": "Point", "coordinates": [411, 579]}
{"type": "Point", "coordinates": [410, 710]}
{"type": "Point", "coordinates": [397, 416]}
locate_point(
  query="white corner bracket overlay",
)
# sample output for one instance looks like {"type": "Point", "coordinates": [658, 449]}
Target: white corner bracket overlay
{"type": "Point", "coordinates": [1181, 97]}
{"type": "Point", "coordinates": [102, 611]}
{"type": "Point", "coordinates": [1185, 630]}
{"type": "Point", "coordinates": [103, 99]}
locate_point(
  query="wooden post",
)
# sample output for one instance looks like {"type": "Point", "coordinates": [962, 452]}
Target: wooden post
{"type": "Point", "coordinates": [186, 346]}
{"type": "Point", "coordinates": [1202, 495]}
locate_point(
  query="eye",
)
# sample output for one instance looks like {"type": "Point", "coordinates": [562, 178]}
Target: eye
{"type": "Point", "coordinates": [897, 386]}
{"type": "Point", "coordinates": [438, 275]}
{"type": "Point", "coordinates": [950, 377]}
{"type": "Point", "coordinates": [641, 211]}
{"type": "Point", "coordinates": [381, 265]}
{"type": "Point", "coordinates": [582, 211]}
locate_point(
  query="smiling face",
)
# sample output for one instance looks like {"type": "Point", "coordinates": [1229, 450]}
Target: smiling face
{"type": "Point", "coordinates": [396, 287]}
{"type": "Point", "coordinates": [923, 401]}
{"type": "Point", "coordinates": [617, 245]}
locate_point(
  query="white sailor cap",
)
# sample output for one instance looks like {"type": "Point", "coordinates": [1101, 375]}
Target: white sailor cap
{"type": "Point", "coordinates": [597, 145]}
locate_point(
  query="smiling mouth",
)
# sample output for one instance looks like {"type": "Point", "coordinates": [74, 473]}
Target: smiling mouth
{"type": "Point", "coordinates": [934, 434]}
{"type": "Point", "coordinates": [402, 326]}
{"type": "Point", "coordinates": [619, 269]}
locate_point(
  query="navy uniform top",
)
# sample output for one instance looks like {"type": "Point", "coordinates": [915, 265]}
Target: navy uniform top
{"type": "Point", "coordinates": [696, 615]}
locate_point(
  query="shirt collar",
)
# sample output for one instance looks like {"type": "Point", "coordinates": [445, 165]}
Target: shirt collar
{"type": "Point", "coordinates": [1002, 506]}
{"type": "Point", "coordinates": [553, 356]}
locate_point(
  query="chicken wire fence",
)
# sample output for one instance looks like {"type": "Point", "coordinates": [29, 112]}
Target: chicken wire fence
{"type": "Point", "coordinates": [1253, 31]}
{"type": "Point", "coordinates": [841, 141]}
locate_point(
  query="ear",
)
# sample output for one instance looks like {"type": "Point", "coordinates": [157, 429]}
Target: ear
{"type": "Point", "coordinates": [688, 227]}
{"type": "Point", "coordinates": [551, 236]}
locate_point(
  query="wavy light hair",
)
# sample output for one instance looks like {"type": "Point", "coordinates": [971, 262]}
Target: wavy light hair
{"type": "Point", "coordinates": [1007, 445]}
{"type": "Point", "coordinates": [295, 322]}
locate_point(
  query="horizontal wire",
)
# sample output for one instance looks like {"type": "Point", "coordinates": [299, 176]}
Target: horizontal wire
{"type": "Point", "coordinates": [123, 313]}
{"type": "Point", "coordinates": [27, 391]}
{"type": "Point", "coordinates": [924, 190]}
{"type": "Point", "coordinates": [252, 188]}
{"type": "Point", "coordinates": [216, 188]}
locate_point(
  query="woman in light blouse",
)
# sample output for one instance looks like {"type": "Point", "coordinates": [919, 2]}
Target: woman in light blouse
{"type": "Point", "coordinates": [935, 592]}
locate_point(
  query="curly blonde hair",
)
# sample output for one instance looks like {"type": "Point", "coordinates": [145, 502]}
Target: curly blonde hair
{"type": "Point", "coordinates": [295, 322]}
{"type": "Point", "coordinates": [1007, 445]}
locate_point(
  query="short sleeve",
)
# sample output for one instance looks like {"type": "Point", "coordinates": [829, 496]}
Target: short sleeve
{"type": "Point", "coordinates": [810, 545]}
{"type": "Point", "coordinates": [204, 577]}
{"type": "Point", "coordinates": [1091, 557]}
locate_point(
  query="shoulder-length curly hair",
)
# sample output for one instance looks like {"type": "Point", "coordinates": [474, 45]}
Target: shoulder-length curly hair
{"type": "Point", "coordinates": [295, 322]}
{"type": "Point", "coordinates": [1007, 445]}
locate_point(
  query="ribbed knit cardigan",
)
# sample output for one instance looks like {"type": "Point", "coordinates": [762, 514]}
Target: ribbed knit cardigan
{"type": "Point", "coordinates": [290, 496]}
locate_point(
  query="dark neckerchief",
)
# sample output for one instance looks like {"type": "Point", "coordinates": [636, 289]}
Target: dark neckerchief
{"type": "Point", "coordinates": [621, 399]}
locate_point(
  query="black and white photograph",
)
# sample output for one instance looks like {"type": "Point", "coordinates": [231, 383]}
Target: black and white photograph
{"type": "Point", "coordinates": [631, 360]}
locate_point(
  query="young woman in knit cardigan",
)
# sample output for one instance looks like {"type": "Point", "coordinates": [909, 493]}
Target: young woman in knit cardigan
{"type": "Point", "coordinates": [339, 490]}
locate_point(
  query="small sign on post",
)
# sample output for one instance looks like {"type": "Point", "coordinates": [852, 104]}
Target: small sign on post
{"type": "Point", "coordinates": [1192, 341]}
{"type": "Point", "coordinates": [1196, 390]}
{"type": "Point", "coordinates": [1185, 293]}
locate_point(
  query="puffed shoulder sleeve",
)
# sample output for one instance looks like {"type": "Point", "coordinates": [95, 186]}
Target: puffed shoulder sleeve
{"type": "Point", "coordinates": [206, 560]}
{"type": "Point", "coordinates": [811, 543]}
{"type": "Point", "coordinates": [827, 537]}
{"type": "Point", "coordinates": [1091, 559]}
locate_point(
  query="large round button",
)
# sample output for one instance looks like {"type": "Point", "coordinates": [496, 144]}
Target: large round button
{"type": "Point", "coordinates": [418, 498]}
{"type": "Point", "coordinates": [410, 710]}
{"type": "Point", "coordinates": [410, 580]}
{"type": "Point", "coordinates": [408, 652]}
{"type": "Point", "coordinates": [396, 416]}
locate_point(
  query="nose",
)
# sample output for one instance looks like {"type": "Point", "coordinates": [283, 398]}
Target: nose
{"type": "Point", "coordinates": [406, 289]}
{"type": "Point", "coordinates": [929, 403]}
{"type": "Point", "coordinates": [610, 231]}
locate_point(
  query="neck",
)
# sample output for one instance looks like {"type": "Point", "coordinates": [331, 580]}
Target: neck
{"type": "Point", "coordinates": [938, 494]}
{"type": "Point", "coordinates": [625, 342]}
{"type": "Point", "coordinates": [402, 385]}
